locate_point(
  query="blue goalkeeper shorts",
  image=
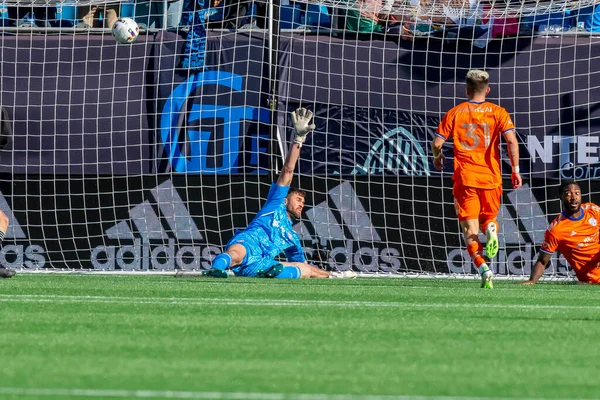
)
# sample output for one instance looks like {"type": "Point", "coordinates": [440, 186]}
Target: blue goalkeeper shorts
{"type": "Point", "coordinates": [256, 263]}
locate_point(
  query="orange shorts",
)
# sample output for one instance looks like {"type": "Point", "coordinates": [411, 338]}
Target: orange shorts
{"type": "Point", "coordinates": [475, 203]}
{"type": "Point", "coordinates": [590, 273]}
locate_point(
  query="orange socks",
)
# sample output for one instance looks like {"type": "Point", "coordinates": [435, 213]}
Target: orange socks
{"type": "Point", "coordinates": [475, 250]}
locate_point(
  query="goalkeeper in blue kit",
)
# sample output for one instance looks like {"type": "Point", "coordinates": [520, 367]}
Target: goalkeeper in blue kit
{"type": "Point", "coordinates": [252, 252]}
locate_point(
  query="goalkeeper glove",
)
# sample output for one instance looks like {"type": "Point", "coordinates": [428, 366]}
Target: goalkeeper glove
{"type": "Point", "coordinates": [301, 119]}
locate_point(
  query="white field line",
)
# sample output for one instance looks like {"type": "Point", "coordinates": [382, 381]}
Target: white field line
{"type": "Point", "coordinates": [439, 276]}
{"type": "Point", "coordinates": [202, 302]}
{"type": "Point", "coordinates": [269, 282]}
{"type": "Point", "coordinates": [159, 394]}
{"type": "Point", "coordinates": [516, 287]}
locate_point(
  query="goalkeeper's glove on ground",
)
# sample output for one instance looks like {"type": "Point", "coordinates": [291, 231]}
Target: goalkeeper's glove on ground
{"type": "Point", "coordinates": [301, 119]}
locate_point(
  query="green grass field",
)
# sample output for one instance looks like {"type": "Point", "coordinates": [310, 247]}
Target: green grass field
{"type": "Point", "coordinates": [158, 337]}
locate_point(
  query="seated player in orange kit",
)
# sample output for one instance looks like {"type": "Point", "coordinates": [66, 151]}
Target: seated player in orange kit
{"type": "Point", "coordinates": [575, 233]}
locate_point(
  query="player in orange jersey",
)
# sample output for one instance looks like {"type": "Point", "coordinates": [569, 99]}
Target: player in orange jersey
{"type": "Point", "coordinates": [575, 233]}
{"type": "Point", "coordinates": [475, 127]}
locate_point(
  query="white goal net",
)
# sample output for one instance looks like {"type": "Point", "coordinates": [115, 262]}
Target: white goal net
{"type": "Point", "coordinates": [149, 156]}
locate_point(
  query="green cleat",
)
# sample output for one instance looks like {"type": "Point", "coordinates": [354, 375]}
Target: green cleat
{"type": "Point", "coordinates": [486, 280]}
{"type": "Point", "coordinates": [491, 247]}
{"type": "Point", "coordinates": [215, 273]}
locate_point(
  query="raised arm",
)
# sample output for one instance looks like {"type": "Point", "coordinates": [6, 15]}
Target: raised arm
{"type": "Point", "coordinates": [538, 269]}
{"type": "Point", "coordinates": [301, 119]}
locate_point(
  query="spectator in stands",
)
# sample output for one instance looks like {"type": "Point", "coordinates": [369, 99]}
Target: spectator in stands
{"type": "Point", "coordinates": [240, 13]}
{"type": "Point", "coordinates": [217, 15]}
{"type": "Point", "coordinates": [27, 15]}
{"type": "Point", "coordinates": [364, 17]}
{"type": "Point", "coordinates": [417, 22]}
{"type": "Point", "coordinates": [193, 17]}
{"type": "Point", "coordinates": [589, 18]}
{"type": "Point", "coordinates": [151, 13]}
{"type": "Point", "coordinates": [554, 22]}
{"type": "Point", "coordinates": [99, 16]}
{"type": "Point", "coordinates": [470, 19]}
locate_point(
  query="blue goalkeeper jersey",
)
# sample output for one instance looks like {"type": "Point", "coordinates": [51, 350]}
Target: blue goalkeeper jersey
{"type": "Point", "coordinates": [273, 219]}
{"type": "Point", "coordinates": [269, 234]}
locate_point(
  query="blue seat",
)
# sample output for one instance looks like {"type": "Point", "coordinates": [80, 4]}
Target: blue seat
{"type": "Point", "coordinates": [317, 15]}
{"type": "Point", "coordinates": [289, 17]}
{"type": "Point", "coordinates": [127, 10]}
{"type": "Point", "coordinates": [4, 20]}
{"type": "Point", "coordinates": [65, 14]}
{"type": "Point", "coordinates": [544, 21]}
{"type": "Point", "coordinates": [588, 18]}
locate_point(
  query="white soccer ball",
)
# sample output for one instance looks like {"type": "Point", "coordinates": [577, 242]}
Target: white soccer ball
{"type": "Point", "coordinates": [125, 30]}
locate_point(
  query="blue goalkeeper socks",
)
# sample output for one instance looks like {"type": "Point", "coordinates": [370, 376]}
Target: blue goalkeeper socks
{"type": "Point", "coordinates": [221, 262]}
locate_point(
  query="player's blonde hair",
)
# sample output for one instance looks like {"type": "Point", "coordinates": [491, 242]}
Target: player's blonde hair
{"type": "Point", "coordinates": [477, 80]}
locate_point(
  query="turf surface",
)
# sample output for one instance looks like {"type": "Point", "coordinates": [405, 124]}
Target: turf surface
{"type": "Point", "coordinates": [80, 336]}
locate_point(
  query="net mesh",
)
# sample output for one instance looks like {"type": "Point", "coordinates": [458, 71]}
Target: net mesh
{"type": "Point", "coordinates": [433, 8]}
{"type": "Point", "coordinates": [126, 158]}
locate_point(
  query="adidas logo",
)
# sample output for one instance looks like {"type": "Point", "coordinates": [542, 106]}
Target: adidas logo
{"type": "Point", "coordinates": [18, 255]}
{"type": "Point", "coordinates": [346, 222]}
{"type": "Point", "coordinates": [152, 246]}
{"type": "Point", "coordinates": [522, 227]}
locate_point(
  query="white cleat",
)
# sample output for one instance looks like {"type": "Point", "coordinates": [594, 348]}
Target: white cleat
{"type": "Point", "coordinates": [486, 280]}
{"type": "Point", "coordinates": [343, 275]}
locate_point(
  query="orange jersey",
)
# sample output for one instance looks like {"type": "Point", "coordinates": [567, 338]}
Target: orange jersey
{"type": "Point", "coordinates": [475, 129]}
{"type": "Point", "coordinates": [577, 240]}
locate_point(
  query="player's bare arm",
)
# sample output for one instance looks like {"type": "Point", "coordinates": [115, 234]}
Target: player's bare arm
{"type": "Point", "coordinates": [439, 160]}
{"type": "Point", "coordinates": [301, 118]}
{"type": "Point", "coordinates": [538, 269]}
{"type": "Point", "coordinates": [513, 154]}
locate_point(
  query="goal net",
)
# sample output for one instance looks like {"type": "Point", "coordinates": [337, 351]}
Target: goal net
{"type": "Point", "coordinates": [149, 156]}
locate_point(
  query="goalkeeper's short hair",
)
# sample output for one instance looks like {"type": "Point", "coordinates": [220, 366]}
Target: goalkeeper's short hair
{"type": "Point", "coordinates": [300, 192]}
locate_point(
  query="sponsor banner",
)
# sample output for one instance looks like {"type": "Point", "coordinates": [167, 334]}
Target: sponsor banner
{"type": "Point", "coordinates": [212, 121]}
{"type": "Point", "coordinates": [387, 226]}
{"type": "Point", "coordinates": [168, 222]}
{"type": "Point", "coordinates": [76, 104]}
{"type": "Point", "coordinates": [372, 90]}
{"type": "Point", "coordinates": [367, 142]}
{"type": "Point", "coordinates": [92, 224]}
{"type": "Point", "coordinates": [377, 101]}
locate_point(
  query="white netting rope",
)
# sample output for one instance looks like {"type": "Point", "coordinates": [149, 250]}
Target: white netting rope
{"type": "Point", "coordinates": [51, 3]}
{"type": "Point", "coordinates": [459, 8]}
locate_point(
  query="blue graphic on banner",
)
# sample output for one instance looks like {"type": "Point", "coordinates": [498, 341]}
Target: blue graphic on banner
{"type": "Point", "coordinates": [177, 109]}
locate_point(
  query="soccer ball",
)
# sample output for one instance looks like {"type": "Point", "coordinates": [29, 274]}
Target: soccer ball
{"type": "Point", "coordinates": [125, 30]}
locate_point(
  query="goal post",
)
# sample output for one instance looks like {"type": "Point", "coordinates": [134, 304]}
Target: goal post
{"type": "Point", "coordinates": [115, 158]}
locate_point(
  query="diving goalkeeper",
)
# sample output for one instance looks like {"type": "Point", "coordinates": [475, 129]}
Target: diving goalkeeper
{"type": "Point", "coordinates": [252, 252]}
